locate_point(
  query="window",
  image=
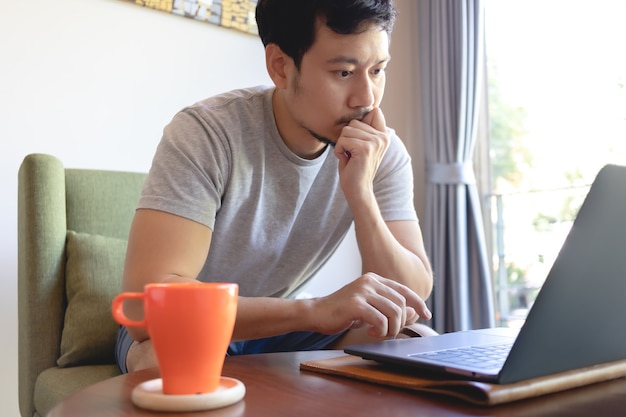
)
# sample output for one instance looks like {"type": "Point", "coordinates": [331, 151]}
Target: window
{"type": "Point", "coordinates": [556, 75]}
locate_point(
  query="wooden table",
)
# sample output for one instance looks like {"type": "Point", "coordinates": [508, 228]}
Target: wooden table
{"type": "Point", "coordinates": [276, 387]}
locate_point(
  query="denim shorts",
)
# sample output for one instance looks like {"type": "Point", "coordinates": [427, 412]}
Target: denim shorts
{"type": "Point", "coordinates": [289, 342]}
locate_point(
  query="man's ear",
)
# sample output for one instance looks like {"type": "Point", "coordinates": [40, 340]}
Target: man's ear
{"type": "Point", "coordinates": [277, 63]}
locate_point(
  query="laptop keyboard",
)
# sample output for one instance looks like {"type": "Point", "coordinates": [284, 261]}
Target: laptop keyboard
{"type": "Point", "coordinates": [483, 357]}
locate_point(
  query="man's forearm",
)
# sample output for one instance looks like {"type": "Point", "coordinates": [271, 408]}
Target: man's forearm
{"type": "Point", "coordinates": [396, 254]}
{"type": "Point", "coordinates": [259, 317]}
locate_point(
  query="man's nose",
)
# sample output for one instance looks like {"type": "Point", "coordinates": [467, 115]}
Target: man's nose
{"type": "Point", "coordinates": [363, 93]}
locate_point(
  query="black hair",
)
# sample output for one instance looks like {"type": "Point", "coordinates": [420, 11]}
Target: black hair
{"type": "Point", "coordinates": [290, 24]}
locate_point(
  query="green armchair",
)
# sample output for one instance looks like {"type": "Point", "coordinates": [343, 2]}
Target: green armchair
{"type": "Point", "coordinates": [73, 227]}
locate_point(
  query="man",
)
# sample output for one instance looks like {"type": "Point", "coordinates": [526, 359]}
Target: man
{"type": "Point", "coordinates": [259, 186]}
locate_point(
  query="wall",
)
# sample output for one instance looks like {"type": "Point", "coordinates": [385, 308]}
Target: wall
{"type": "Point", "coordinates": [401, 104]}
{"type": "Point", "coordinates": [94, 82]}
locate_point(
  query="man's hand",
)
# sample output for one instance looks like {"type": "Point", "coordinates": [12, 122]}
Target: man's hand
{"type": "Point", "coordinates": [384, 305]}
{"type": "Point", "coordinates": [360, 150]}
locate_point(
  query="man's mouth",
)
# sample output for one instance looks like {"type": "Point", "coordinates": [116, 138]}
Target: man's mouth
{"type": "Point", "coordinates": [344, 121]}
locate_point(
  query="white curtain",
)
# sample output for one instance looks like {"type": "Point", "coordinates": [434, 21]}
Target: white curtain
{"type": "Point", "coordinates": [451, 60]}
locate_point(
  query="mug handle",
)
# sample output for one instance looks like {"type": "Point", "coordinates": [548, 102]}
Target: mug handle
{"type": "Point", "coordinates": [117, 309]}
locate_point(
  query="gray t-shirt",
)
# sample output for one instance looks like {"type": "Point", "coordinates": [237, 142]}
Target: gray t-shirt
{"type": "Point", "coordinates": [276, 218]}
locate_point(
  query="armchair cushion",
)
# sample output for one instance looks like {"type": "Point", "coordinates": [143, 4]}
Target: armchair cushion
{"type": "Point", "coordinates": [55, 384]}
{"type": "Point", "coordinates": [93, 277]}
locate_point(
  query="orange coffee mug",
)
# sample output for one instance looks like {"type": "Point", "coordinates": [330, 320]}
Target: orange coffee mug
{"type": "Point", "coordinates": [190, 325]}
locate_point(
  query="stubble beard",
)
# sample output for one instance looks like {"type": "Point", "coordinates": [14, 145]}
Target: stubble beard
{"type": "Point", "coordinates": [326, 141]}
{"type": "Point", "coordinates": [343, 121]}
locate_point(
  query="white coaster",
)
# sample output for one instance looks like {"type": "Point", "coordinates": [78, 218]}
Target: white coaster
{"type": "Point", "coordinates": [149, 395]}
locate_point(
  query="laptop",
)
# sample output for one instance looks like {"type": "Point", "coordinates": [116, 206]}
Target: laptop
{"type": "Point", "coordinates": [577, 320]}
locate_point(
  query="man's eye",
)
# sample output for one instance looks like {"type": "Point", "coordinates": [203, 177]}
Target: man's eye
{"type": "Point", "coordinates": [345, 73]}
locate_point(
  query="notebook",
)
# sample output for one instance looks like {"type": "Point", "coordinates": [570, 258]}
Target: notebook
{"type": "Point", "coordinates": [577, 320]}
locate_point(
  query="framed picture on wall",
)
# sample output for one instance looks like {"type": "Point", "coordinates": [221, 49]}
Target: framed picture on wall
{"type": "Point", "coordinates": [234, 14]}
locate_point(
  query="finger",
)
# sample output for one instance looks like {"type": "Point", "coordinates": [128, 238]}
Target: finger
{"type": "Point", "coordinates": [411, 316]}
{"type": "Point", "coordinates": [377, 321]}
{"type": "Point", "coordinates": [419, 306]}
{"type": "Point", "coordinates": [412, 299]}
{"type": "Point", "coordinates": [342, 153]}
{"type": "Point", "coordinates": [422, 310]}
{"type": "Point", "coordinates": [385, 308]}
{"type": "Point", "coordinates": [376, 119]}
{"type": "Point", "coordinates": [394, 313]}
{"type": "Point", "coordinates": [391, 304]}
{"type": "Point", "coordinates": [357, 324]}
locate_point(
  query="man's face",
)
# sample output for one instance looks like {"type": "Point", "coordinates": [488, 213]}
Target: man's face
{"type": "Point", "coordinates": [341, 78]}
